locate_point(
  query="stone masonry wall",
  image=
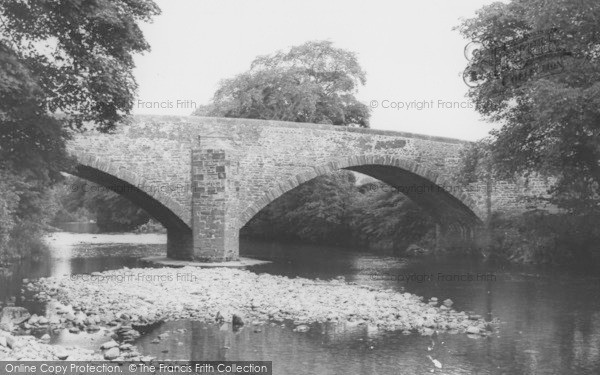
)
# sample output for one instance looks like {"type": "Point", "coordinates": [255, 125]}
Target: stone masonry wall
{"type": "Point", "coordinates": [271, 157]}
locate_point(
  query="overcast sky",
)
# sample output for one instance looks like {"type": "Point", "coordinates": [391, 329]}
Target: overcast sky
{"type": "Point", "coordinates": [407, 48]}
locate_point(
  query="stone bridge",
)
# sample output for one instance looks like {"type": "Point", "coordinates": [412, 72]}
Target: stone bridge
{"type": "Point", "coordinates": [205, 178]}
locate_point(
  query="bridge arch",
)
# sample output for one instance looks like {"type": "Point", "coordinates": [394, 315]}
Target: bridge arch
{"type": "Point", "coordinates": [452, 209]}
{"type": "Point", "coordinates": [134, 188]}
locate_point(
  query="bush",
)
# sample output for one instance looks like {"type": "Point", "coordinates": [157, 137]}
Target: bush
{"type": "Point", "coordinates": [26, 207]}
{"type": "Point", "coordinates": [89, 201]}
{"type": "Point", "coordinates": [543, 238]}
{"type": "Point", "coordinates": [331, 209]}
{"type": "Point", "coordinates": [152, 226]}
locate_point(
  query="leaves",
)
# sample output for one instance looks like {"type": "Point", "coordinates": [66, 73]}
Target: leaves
{"type": "Point", "coordinates": [62, 63]}
{"type": "Point", "coordinates": [78, 53]}
{"type": "Point", "coordinates": [314, 82]}
{"type": "Point", "coordinates": [550, 123]}
{"type": "Point", "coordinates": [332, 209]}
{"type": "Point", "coordinates": [111, 211]}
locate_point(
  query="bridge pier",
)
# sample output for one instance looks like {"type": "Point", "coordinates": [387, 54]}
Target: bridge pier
{"type": "Point", "coordinates": [214, 223]}
{"type": "Point", "coordinates": [180, 244]}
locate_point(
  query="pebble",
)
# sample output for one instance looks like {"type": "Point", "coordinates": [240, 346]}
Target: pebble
{"type": "Point", "coordinates": [112, 353]}
{"type": "Point", "coordinates": [109, 345]}
{"type": "Point", "coordinates": [302, 328]}
{"type": "Point", "coordinates": [258, 298]}
{"type": "Point", "coordinates": [29, 348]}
{"type": "Point", "coordinates": [62, 355]}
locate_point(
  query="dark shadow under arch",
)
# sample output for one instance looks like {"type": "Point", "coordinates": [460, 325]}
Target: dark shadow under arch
{"type": "Point", "coordinates": [452, 209]}
{"type": "Point", "coordinates": [134, 194]}
{"type": "Point", "coordinates": [161, 207]}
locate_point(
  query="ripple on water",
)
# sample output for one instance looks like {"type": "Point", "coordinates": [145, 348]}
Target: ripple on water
{"type": "Point", "coordinates": [551, 320]}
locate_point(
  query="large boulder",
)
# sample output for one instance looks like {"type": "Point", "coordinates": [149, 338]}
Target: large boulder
{"type": "Point", "coordinates": [112, 353]}
{"type": "Point", "coordinates": [14, 315]}
{"type": "Point", "coordinates": [109, 345]}
{"type": "Point", "coordinates": [237, 320]}
{"type": "Point", "coordinates": [415, 250]}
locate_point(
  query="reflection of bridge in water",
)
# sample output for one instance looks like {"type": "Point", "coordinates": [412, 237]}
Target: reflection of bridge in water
{"type": "Point", "coordinates": [205, 178]}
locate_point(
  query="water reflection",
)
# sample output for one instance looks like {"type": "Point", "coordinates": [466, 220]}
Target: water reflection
{"type": "Point", "coordinates": [78, 227]}
{"type": "Point", "coordinates": [550, 318]}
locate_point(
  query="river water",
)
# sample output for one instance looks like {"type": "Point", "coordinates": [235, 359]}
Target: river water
{"type": "Point", "coordinates": [550, 317]}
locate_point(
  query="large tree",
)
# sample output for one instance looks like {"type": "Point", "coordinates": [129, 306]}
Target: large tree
{"type": "Point", "coordinates": [536, 71]}
{"type": "Point", "coordinates": [63, 63]}
{"type": "Point", "coordinates": [314, 82]}
{"type": "Point", "coordinates": [72, 57]}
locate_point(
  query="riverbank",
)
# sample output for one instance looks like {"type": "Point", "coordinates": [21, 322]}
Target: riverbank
{"type": "Point", "coordinates": [145, 295]}
{"type": "Point", "coordinates": [565, 305]}
{"type": "Point", "coordinates": [540, 237]}
{"type": "Point", "coordinates": [29, 348]}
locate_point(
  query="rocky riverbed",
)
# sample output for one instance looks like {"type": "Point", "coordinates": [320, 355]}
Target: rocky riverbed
{"type": "Point", "coordinates": [143, 296]}
{"type": "Point", "coordinates": [29, 348]}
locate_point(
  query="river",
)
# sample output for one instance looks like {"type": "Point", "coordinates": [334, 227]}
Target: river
{"type": "Point", "coordinates": [550, 317]}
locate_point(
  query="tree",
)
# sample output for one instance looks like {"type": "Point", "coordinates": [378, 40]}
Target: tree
{"type": "Point", "coordinates": [384, 217]}
{"type": "Point", "coordinates": [314, 82]}
{"type": "Point", "coordinates": [332, 209]}
{"type": "Point", "coordinates": [316, 211]}
{"type": "Point", "coordinates": [80, 200]}
{"type": "Point", "coordinates": [63, 63]}
{"type": "Point", "coordinates": [538, 74]}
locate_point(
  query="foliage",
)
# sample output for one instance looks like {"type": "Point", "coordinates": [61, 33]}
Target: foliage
{"type": "Point", "coordinates": [550, 122]}
{"type": "Point", "coordinates": [385, 215]}
{"type": "Point", "coordinates": [314, 82]}
{"type": "Point", "coordinates": [475, 163]}
{"type": "Point", "coordinates": [25, 209]}
{"type": "Point", "coordinates": [9, 200]}
{"type": "Point", "coordinates": [315, 211]}
{"type": "Point", "coordinates": [113, 212]}
{"type": "Point", "coordinates": [332, 209]}
{"type": "Point", "coordinates": [62, 63]}
{"type": "Point", "coordinates": [79, 199]}
{"type": "Point", "coordinates": [77, 54]}
{"type": "Point", "coordinates": [152, 226]}
{"type": "Point", "coordinates": [542, 238]}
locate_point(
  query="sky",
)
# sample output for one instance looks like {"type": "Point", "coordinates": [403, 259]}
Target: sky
{"type": "Point", "coordinates": [412, 57]}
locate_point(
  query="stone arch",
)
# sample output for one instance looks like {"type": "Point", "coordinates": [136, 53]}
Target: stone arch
{"type": "Point", "coordinates": [451, 209]}
{"type": "Point", "coordinates": [133, 187]}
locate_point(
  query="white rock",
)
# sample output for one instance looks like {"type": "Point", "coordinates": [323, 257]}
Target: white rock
{"type": "Point", "coordinates": [302, 328]}
{"type": "Point", "coordinates": [111, 353]}
{"type": "Point", "coordinates": [109, 344]}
